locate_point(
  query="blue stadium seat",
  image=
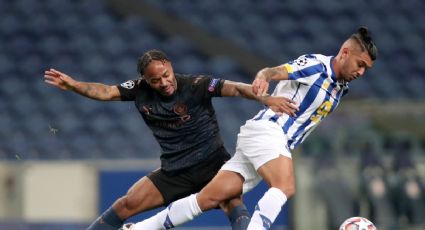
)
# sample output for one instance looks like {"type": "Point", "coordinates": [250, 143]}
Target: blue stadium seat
{"type": "Point", "coordinates": [84, 44]}
{"type": "Point", "coordinates": [143, 42]}
{"type": "Point", "coordinates": [32, 67]}
{"type": "Point", "coordinates": [21, 46]}
{"type": "Point", "coordinates": [415, 86]}
{"type": "Point", "coordinates": [221, 66]}
{"type": "Point", "coordinates": [177, 47]}
{"type": "Point", "coordinates": [74, 24]}
{"type": "Point", "coordinates": [113, 46]}
{"type": "Point", "coordinates": [51, 46]}
{"type": "Point", "coordinates": [8, 125]}
{"type": "Point", "coordinates": [95, 66]}
{"type": "Point", "coordinates": [86, 146]}
{"type": "Point", "coordinates": [6, 68]}
{"type": "Point", "coordinates": [10, 25]}
{"type": "Point", "coordinates": [102, 25]}
{"type": "Point", "coordinates": [19, 146]}
{"type": "Point", "coordinates": [125, 68]}
{"type": "Point", "coordinates": [190, 65]}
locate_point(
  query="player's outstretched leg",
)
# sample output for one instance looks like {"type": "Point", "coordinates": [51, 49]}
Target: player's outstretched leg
{"type": "Point", "coordinates": [143, 195]}
{"type": "Point", "coordinates": [224, 186]}
{"type": "Point", "coordinates": [184, 210]}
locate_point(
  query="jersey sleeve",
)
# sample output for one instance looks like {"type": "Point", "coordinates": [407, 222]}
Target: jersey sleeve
{"type": "Point", "coordinates": [208, 86]}
{"type": "Point", "coordinates": [305, 69]}
{"type": "Point", "coordinates": [128, 90]}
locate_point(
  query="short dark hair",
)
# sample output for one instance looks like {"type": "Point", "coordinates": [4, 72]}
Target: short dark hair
{"type": "Point", "coordinates": [148, 57]}
{"type": "Point", "coordinates": [364, 38]}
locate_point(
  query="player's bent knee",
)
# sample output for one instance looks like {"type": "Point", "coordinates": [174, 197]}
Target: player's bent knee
{"type": "Point", "coordinates": [289, 191]}
{"type": "Point", "coordinates": [120, 203]}
{"type": "Point", "coordinates": [120, 207]}
{"type": "Point", "coordinates": [124, 207]}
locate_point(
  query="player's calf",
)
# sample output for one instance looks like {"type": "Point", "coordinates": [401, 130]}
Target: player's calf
{"type": "Point", "coordinates": [177, 213]}
{"type": "Point", "coordinates": [267, 209]}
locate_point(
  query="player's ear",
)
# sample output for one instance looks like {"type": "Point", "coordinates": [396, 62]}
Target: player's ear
{"type": "Point", "coordinates": [345, 52]}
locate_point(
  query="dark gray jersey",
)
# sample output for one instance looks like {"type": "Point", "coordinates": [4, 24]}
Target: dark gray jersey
{"type": "Point", "coordinates": [184, 124]}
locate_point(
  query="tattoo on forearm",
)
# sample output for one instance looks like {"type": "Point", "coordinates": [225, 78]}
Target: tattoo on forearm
{"type": "Point", "coordinates": [271, 72]}
{"type": "Point", "coordinates": [87, 90]}
{"type": "Point", "coordinates": [95, 91]}
{"type": "Point", "coordinates": [246, 91]}
{"type": "Point", "coordinates": [105, 91]}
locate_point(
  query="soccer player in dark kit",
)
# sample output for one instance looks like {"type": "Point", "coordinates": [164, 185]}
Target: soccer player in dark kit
{"type": "Point", "coordinates": [178, 110]}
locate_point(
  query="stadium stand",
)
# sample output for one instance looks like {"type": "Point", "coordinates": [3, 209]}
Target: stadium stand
{"type": "Point", "coordinates": [83, 38]}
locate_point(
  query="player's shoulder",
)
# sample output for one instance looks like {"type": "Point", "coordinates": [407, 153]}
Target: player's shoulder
{"type": "Point", "coordinates": [189, 77]}
{"type": "Point", "coordinates": [306, 58]}
{"type": "Point", "coordinates": [319, 57]}
{"type": "Point", "coordinates": [309, 60]}
{"type": "Point", "coordinates": [133, 84]}
{"type": "Point", "coordinates": [193, 79]}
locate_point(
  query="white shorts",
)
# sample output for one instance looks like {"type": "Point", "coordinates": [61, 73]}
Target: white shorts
{"type": "Point", "coordinates": [258, 143]}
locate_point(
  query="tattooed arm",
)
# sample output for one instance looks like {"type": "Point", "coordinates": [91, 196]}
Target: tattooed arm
{"type": "Point", "coordinates": [261, 83]}
{"type": "Point", "coordinates": [278, 104]}
{"type": "Point", "coordinates": [95, 91]}
{"type": "Point", "coordinates": [239, 89]}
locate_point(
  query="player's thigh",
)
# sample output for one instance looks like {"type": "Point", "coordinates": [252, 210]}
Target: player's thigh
{"type": "Point", "coordinates": [224, 186]}
{"type": "Point", "coordinates": [143, 195]}
{"type": "Point", "coordinates": [278, 172]}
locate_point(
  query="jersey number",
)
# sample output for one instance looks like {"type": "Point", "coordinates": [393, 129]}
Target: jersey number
{"type": "Point", "coordinates": [322, 111]}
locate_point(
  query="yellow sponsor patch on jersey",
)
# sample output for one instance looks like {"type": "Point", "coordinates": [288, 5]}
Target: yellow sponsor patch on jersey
{"type": "Point", "coordinates": [325, 85]}
{"type": "Point", "coordinates": [288, 68]}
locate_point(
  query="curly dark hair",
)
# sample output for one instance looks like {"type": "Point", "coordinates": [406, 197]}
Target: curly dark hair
{"type": "Point", "coordinates": [363, 37]}
{"type": "Point", "coordinates": [148, 57]}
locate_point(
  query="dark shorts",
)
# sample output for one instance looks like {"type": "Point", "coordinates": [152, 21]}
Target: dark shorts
{"type": "Point", "coordinates": [190, 180]}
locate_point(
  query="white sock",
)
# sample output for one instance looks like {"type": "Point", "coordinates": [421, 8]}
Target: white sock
{"type": "Point", "coordinates": [267, 209]}
{"type": "Point", "coordinates": [177, 213]}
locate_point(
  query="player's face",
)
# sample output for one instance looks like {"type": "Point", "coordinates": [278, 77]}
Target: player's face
{"type": "Point", "coordinates": [160, 76]}
{"type": "Point", "coordinates": [355, 63]}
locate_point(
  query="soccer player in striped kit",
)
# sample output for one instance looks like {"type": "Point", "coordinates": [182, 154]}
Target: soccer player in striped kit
{"type": "Point", "coordinates": [316, 83]}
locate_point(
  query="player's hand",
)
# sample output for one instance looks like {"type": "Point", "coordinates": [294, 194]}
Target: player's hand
{"type": "Point", "coordinates": [58, 79]}
{"type": "Point", "coordinates": [281, 105]}
{"type": "Point", "coordinates": [260, 87]}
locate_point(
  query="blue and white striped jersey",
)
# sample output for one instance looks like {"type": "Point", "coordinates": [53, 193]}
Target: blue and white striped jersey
{"type": "Point", "coordinates": [312, 84]}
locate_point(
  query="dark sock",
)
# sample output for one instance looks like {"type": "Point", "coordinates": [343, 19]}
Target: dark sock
{"type": "Point", "coordinates": [109, 220]}
{"type": "Point", "coordinates": [239, 218]}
